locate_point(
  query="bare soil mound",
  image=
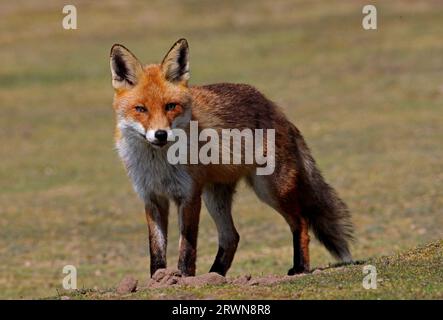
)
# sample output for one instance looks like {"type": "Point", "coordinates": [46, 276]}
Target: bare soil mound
{"type": "Point", "coordinates": [164, 278]}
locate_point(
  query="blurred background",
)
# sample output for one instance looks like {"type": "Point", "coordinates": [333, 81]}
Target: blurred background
{"type": "Point", "coordinates": [369, 104]}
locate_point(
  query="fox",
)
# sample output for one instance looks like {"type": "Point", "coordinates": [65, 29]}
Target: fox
{"type": "Point", "coordinates": [152, 100]}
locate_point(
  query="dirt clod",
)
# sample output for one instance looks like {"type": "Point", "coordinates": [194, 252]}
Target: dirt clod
{"type": "Point", "coordinates": [242, 280]}
{"type": "Point", "coordinates": [163, 275]}
{"type": "Point", "coordinates": [170, 277]}
{"type": "Point", "coordinates": [164, 278]}
{"type": "Point", "coordinates": [127, 285]}
{"type": "Point", "coordinates": [211, 278]}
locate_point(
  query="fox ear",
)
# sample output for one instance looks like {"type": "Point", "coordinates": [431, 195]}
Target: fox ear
{"type": "Point", "coordinates": [125, 67]}
{"type": "Point", "coordinates": [175, 64]}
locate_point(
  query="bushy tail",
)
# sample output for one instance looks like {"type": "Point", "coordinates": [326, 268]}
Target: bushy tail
{"type": "Point", "coordinates": [327, 214]}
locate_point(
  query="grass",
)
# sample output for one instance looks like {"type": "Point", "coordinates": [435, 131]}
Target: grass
{"type": "Point", "coordinates": [368, 103]}
{"type": "Point", "coordinates": [414, 274]}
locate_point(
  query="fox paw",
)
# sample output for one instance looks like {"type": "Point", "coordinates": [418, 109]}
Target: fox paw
{"type": "Point", "coordinates": [294, 271]}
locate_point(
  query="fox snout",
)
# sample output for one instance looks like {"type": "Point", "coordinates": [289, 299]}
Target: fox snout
{"type": "Point", "coordinates": [158, 137]}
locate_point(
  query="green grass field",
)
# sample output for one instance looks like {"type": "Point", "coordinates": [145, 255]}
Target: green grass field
{"type": "Point", "coordinates": [369, 103]}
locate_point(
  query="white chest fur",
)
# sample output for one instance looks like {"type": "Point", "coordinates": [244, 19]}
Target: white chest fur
{"type": "Point", "coordinates": [150, 170]}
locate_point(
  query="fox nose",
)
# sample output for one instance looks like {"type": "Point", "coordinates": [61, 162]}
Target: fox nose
{"type": "Point", "coordinates": [161, 135]}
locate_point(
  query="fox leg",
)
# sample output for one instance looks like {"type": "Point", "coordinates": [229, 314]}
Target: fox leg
{"type": "Point", "coordinates": [218, 201]}
{"type": "Point", "coordinates": [290, 210]}
{"type": "Point", "coordinates": [300, 240]}
{"type": "Point", "coordinates": [300, 237]}
{"type": "Point", "coordinates": [283, 198]}
{"type": "Point", "coordinates": [157, 211]}
{"type": "Point", "coordinates": [189, 215]}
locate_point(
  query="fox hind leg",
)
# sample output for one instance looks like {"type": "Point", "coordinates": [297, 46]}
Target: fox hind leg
{"type": "Point", "coordinates": [218, 201]}
{"type": "Point", "coordinates": [300, 240]}
{"type": "Point", "coordinates": [283, 199]}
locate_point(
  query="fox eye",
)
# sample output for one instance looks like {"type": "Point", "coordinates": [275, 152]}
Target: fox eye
{"type": "Point", "coordinates": [170, 106]}
{"type": "Point", "coordinates": [141, 109]}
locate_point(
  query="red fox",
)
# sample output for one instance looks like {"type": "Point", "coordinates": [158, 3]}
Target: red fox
{"type": "Point", "coordinates": [151, 100]}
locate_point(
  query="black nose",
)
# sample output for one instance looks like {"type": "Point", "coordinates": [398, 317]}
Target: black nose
{"type": "Point", "coordinates": [161, 135]}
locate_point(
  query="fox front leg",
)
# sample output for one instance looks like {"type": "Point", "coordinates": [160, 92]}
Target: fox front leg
{"type": "Point", "coordinates": [189, 216]}
{"type": "Point", "coordinates": [157, 211]}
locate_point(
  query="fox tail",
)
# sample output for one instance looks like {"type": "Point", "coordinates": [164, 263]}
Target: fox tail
{"type": "Point", "coordinates": [327, 214]}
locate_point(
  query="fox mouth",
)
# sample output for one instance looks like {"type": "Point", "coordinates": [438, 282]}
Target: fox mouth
{"type": "Point", "coordinates": [158, 144]}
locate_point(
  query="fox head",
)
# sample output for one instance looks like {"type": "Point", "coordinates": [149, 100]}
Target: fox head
{"type": "Point", "coordinates": [151, 100]}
